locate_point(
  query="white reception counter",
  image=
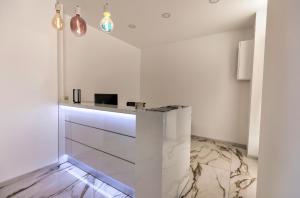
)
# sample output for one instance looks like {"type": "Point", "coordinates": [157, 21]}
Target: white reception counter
{"type": "Point", "coordinates": [143, 153]}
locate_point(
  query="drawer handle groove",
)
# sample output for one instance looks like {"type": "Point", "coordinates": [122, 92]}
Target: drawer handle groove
{"type": "Point", "coordinates": [101, 129]}
{"type": "Point", "coordinates": [100, 151]}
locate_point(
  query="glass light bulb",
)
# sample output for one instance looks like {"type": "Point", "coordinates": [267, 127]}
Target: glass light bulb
{"type": "Point", "coordinates": [57, 21]}
{"type": "Point", "coordinates": [78, 24]}
{"type": "Point", "coordinates": [106, 23]}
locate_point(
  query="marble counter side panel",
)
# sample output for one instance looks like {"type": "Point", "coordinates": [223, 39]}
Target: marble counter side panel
{"type": "Point", "coordinates": [175, 169]}
{"type": "Point", "coordinates": [176, 152]}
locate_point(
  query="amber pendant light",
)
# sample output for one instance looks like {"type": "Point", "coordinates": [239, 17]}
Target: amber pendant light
{"type": "Point", "coordinates": [58, 21]}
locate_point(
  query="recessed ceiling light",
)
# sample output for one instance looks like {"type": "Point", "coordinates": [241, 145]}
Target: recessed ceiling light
{"type": "Point", "coordinates": [132, 26]}
{"type": "Point", "coordinates": [166, 15]}
{"type": "Point", "coordinates": [214, 1]}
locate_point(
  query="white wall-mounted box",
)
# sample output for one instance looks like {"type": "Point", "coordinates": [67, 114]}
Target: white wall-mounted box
{"type": "Point", "coordinates": [245, 60]}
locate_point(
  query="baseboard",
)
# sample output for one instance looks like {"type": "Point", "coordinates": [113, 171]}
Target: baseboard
{"type": "Point", "coordinates": [252, 157]}
{"type": "Point", "coordinates": [242, 146]}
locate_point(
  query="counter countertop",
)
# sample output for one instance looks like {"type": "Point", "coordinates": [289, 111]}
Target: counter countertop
{"type": "Point", "coordinates": [119, 109]}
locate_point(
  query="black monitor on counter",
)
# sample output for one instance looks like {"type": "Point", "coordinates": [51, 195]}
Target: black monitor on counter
{"type": "Point", "coordinates": [107, 99]}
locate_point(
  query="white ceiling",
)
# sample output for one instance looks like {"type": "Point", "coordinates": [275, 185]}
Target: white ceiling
{"type": "Point", "coordinates": [190, 18]}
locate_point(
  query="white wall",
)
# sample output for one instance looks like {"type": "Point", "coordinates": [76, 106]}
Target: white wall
{"type": "Point", "coordinates": [279, 163]}
{"type": "Point", "coordinates": [257, 82]}
{"type": "Point", "coordinates": [201, 72]}
{"type": "Point", "coordinates": [99, 63]}
{"type": "Point", "coordinates": [28, 116]}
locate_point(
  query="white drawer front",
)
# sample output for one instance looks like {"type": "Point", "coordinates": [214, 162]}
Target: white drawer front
{"type": "Point", "coordinates": [115, 144]}
{"type": "Point", "coordinates": [111, 121]}
{"type": "Point", "coordinates": [111, 166]}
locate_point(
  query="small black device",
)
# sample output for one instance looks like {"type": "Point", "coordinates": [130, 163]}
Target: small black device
{"type": "Point", "coordinates": [108, 99]}
{"type": "Point", "coordinates": [137, 105]}
{"type": "Point", "coordinates": [77, 96]}
{"type": "Point", "coordinates": [131, 104]}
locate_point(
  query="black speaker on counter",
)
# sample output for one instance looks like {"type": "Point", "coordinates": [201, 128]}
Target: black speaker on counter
{"type": "Point", "coordinates": [107, 99]}
{"type": "Point", "coordinates": [77, 96]}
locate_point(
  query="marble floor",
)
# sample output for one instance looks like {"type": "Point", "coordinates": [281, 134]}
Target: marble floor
{"type": "Point", "coordinates": [218, 170]}
{"type": "Point", "coordinates": [63, 181]}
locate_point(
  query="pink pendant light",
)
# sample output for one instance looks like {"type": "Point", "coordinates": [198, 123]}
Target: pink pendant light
{"type": "Point", "coordinates": [78, 24]}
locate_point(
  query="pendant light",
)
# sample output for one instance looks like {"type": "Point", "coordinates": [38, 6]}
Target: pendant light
{"type": "Point", "coordinates": [78, 24]}
{"type": "Point", "coordinates": [57, 21]}
{"type": "Point", "coordinates": [106, 23]}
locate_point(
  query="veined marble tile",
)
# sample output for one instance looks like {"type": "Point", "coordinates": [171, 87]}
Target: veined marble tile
{"type": "Point", "coordinates": [207, 182]}
{"type": "Point", "coordinates": [78, 189]}
{"type": "Point", "coordinates": [210, 153]}
{"type": "Point", "coordinates": [243, 176]}
{"type": "Point", "coordinates": [89, 187]}
{"type": "Point", "coordinates": [33, 182]}
{"type": "Point", "coordinates": [218, 170]}
{"type": "Point", "coordinates": [107, 190]}
{"type": "Point", "coordinates": [62, 181]}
